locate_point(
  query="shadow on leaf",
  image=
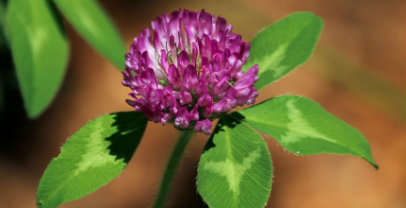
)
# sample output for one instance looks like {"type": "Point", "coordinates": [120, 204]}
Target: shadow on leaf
{"type": "Point", "coordinates": [229, 121]}
{"type": "Point", "coordinates": [130, 128]}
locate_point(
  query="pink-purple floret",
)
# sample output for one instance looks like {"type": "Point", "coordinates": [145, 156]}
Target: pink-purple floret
{"type": "Point", "coordinates": [188, 71]}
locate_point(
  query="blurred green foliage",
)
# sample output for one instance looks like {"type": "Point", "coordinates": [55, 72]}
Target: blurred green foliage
{"type": "Point", "coordinates": [89, 19]}
{"type": "Point", "coordinates": [39, 47]}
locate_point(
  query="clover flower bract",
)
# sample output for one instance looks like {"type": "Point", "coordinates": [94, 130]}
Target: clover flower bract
{"type": "Point", "coordinates": [188, 70]}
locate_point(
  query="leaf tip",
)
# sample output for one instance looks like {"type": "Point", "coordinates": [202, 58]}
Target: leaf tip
{"type": "Point", "coordinates": [34, 110]}
{"type": "Point", "coordinates": [376, 166]}
{"type": "Point", "coordinates": [31, 114]}
{"type": "Point", "coordinates": [372, 162]}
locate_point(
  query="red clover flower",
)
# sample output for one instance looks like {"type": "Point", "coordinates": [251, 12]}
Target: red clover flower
{"type": "Point", "coordinates": [188, 70]}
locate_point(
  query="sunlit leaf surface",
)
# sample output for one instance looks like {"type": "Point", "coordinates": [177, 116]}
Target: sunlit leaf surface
{"type": "Point", "coordinates": [92, 157]}
{"type": "Point", "coordinates": [236, 169]}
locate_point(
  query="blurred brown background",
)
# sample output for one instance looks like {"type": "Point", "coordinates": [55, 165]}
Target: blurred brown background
{"type": "Point", "coordinates": [357, 72]}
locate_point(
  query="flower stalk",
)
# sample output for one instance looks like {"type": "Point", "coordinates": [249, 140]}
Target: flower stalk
{"type": "Point", "coordinates": [171, 167]}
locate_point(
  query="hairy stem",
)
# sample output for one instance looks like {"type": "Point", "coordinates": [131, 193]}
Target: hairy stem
{"type": "Point", "coordinates": [171, 167]}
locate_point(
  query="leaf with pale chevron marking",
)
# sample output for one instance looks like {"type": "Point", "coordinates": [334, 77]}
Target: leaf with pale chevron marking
{"type": "Point", "coordinates": [283, 46]}
{"type": "Point", "coordinates": [92, 157]}
{"type": "Point", "coordinates": [236, 168]}
{"type": "Point", "coordinates": [305, 128]}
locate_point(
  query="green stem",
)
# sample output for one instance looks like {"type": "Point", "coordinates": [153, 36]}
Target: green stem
{"type": "Point", "coordinates": [171, 167]}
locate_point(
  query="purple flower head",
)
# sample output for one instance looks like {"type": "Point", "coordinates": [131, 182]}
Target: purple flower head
{"type": "Point", "coordinates": [187, 70]}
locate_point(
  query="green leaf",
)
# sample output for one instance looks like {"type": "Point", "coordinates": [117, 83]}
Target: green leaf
{"type": "Point", "coordinates": [236, 168]}
{"type": "Point", "coordinates": [2, 14]}
{"type": "Point", "coordinates": [92, 157]}
{"type": "Point", "coordinates": [303, 127]}
{"type": "Point", "coordinates": [2, 24]}
{"type": "Point", "coordinates": [39, 49]}
{"type": "Point", "coordinates": [283, 46]}
{"type": "Point", "coordinates": [89, 19]}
